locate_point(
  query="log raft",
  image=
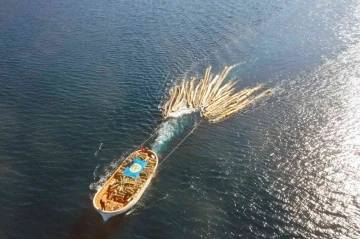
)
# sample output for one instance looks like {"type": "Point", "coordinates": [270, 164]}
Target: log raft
{"type": "Point", "coordinates": [216, 100]}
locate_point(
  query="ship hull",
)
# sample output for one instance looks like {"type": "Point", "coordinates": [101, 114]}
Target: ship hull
{"type": "Point", "coordinates": [106, 215]}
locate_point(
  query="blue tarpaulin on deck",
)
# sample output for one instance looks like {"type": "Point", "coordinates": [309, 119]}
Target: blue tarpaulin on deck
{"type": "Point", "coordinates": [135, 168]}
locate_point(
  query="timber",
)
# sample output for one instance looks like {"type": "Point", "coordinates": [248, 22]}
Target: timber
{"type": "Point", "coordinates": [216, 100]}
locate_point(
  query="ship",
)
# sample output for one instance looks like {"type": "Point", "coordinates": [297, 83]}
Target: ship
{"type": "Point", "coordinates": [127, 184]}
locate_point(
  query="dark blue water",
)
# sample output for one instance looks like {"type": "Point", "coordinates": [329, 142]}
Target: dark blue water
{"type": "Point", "coordinates": [81, 86]}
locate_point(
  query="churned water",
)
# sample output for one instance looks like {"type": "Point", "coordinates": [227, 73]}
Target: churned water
{"type": "Point", "coordinates": [81, 87]}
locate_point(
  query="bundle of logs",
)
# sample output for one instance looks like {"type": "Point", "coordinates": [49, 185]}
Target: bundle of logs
{"type": "Point", "coordinates": [123, 189]}
{"type": "Point", "coordinates": [215, 101]}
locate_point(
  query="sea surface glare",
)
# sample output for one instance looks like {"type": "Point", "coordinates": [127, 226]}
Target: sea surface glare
{"type": "Point", "coordinates": [81, 86]}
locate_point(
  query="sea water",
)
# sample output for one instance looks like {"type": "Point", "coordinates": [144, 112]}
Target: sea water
{"type": "Point", "coordinates": [82, 84]}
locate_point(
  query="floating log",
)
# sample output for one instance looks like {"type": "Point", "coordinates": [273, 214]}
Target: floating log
{"type": "Point", "coordinates": [172, 100]}
{"type": "Point", "coordinates": [190, 93]}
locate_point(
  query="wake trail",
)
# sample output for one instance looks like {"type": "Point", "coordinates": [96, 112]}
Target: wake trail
{"type": "Point", "coordinates": [171, 128]}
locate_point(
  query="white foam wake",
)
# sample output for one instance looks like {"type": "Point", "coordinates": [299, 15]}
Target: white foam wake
{"type": "Point", "coordinates": [183, 111]}
{"type": "Point", "coordinates": [172, 127]}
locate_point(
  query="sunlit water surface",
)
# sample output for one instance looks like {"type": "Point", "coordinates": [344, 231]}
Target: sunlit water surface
{"type": "Point", "coordinates": [81, 87]}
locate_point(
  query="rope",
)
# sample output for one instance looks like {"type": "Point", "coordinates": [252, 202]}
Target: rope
{"type": "Point", "coordinates": [152, 135]}
{"type": "Point", "coordinates": [181, 141]}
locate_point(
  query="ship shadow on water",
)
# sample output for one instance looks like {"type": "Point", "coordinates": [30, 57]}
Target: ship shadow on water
{"type": "Point", "coordinates": [91, 225]}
